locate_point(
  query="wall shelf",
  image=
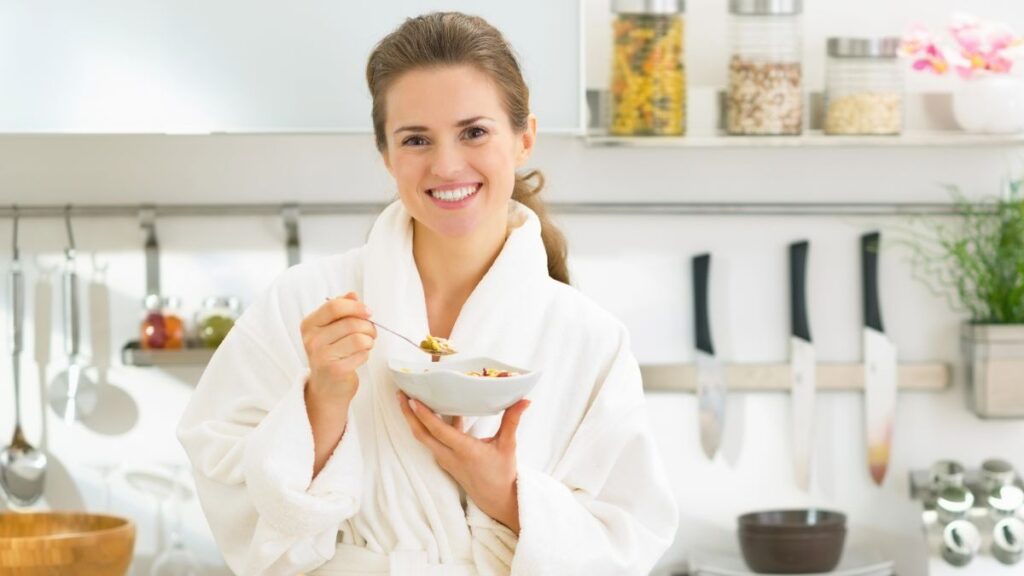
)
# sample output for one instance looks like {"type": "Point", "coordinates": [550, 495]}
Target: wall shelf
{"type": "Point", "coordinates": [133, 355]}
{"type": "Point", "coordinates": [912, 377]}
{"type": "Point", "coordinates": [811, 139]}
{"type": "Point", "coordinates": [919, 377]}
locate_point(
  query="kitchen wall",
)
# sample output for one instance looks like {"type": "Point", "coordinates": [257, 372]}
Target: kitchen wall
{"type": "Point", "coordinates": [636, 266]}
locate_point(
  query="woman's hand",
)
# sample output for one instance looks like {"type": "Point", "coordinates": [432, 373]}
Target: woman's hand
{"type": "Point", "coordinates": [338, 339]}
{"type": "Point", "coordinates": [485, 468]}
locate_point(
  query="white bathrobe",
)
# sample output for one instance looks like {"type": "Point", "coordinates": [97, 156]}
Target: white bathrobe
{"type": "Point", "coordinates": [593, 495]}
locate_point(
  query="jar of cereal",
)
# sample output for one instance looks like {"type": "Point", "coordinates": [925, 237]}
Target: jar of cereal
{"type": "Point", "coordinates": [765, 92]}
{"type": "Point", "coordinates": [863, 86]}
{"type": "Point", "coordinates": [648, 86]}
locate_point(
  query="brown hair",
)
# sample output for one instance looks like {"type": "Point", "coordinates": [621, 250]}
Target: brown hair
{"type": "Point", "coordinates": [452, 38]}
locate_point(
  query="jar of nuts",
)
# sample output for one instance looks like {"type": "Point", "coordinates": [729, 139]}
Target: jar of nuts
{"type": "Point", "coordinates": [648, 85]}
{"type": "Point", "coordinates": [863, 86]}
{"type": "Point", "coordinates": [765, 93]}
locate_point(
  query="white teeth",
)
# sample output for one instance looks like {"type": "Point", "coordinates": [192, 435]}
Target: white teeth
{"type": "Point", "coordinates": [453, 195]}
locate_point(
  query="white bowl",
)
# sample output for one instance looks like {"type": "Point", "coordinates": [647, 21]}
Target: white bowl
{"type": "Point", "coordinates": [446, 388]}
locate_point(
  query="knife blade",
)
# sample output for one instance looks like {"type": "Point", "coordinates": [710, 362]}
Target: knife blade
{"type": "Point", "coordinates": [711, 386]}
{"type": "Point", "coordinates": [879, 366]}
{"type": "Point", "coordinates": [802, 365]}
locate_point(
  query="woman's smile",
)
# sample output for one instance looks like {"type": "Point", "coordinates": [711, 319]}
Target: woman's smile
{"type": "Point", "coordinates": [455, 196]}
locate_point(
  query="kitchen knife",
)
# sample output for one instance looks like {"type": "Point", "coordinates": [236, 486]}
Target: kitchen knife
{"type": "Point", "coordinates": [711, 385]}
{"type": "Point", "coordinates": [879, 366]}
{"type": "Point", "coordinates": [801, 365]}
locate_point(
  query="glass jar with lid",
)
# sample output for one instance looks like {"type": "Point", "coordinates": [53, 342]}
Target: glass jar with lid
{"type": "Point", "coordinates": [648, 80]}
{"type": "Point", "coordinates": [162, 327]}
{"type": "Point", "coordinates": [863, 86]}
{"type": "Point", "coordinates": [215, 319]}
{"type": "Point", "coordinates": [765, 92]}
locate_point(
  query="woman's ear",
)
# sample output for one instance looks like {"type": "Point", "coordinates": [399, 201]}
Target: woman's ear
{"type": "Point", "coordinates": [525, 141]}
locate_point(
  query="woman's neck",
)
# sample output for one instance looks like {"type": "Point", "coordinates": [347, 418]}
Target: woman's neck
{"type": "Point", "coordinates": [450, 268]}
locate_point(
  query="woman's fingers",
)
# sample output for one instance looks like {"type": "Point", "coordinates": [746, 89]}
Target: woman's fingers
{"type": "Point", "coordinates": [444, 433]}
{"type": "Point", "coordinates": [420, 431]}
{"type": "Point", "coordinates": [506, 435]}
{"type": "Point", "coordinates": [335, 331]}
{"type": "Point", "coordinates": [347, 346]}
{"type": "Point", "coordinates": [334, 309]}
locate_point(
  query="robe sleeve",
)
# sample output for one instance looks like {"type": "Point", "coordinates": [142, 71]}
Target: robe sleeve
{"type": "Point", "coordinates": [606, 507]}
{"type": "Point", "coordinates": [248, 436]}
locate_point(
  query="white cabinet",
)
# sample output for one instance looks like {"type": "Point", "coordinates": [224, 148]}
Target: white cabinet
{"type": "Point", "coordinates": [155, 66]}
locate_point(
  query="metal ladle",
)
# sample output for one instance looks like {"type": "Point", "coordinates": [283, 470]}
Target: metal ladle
{"type": "Point", "coordinates": [22, 467]}
{"type": "Point", "coordinates": [73, 394]}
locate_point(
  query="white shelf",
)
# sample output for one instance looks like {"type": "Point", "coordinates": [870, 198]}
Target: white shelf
{"type": "Point", "coordinates": [811, 139]}
{"type": "Point", "coordinates": [912, 377]}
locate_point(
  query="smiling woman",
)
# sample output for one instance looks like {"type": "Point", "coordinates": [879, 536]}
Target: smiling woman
{"type": "Point", "coordinates": [307, 456]}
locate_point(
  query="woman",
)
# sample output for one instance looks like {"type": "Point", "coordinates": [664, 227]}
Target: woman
{"type": "Point", "coordinates": [307, 459]}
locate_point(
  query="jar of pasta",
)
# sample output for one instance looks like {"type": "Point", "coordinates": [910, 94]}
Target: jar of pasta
{"type": "Point", "coordinates": [863, 86]}
{"type": "Point", "coordinates": [648, 86]}
{"type": "Point", "coordinates": [765, 92]}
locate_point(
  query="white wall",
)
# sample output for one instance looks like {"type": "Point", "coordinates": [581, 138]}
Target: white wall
{"type": "Point", "coordinates": [635, 266]}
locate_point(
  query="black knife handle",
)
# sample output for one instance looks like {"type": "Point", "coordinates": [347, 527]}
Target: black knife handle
{"type": "Point", "coordinates": [799, 325]}
{"type": "Point", "coordinates": [701, 273]}
{"type": "Point", "coordinates": [869, 249]}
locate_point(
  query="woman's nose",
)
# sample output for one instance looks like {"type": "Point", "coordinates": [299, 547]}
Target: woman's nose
{"type": "Point", "coordinates": [447, 162]}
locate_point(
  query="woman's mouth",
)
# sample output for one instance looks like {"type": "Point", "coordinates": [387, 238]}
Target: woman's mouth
{"type": "Point", "coordinates": [455, 197]}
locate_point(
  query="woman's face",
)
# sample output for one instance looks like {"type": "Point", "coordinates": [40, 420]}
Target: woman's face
{"type": "Point", "coordinates": [451, 148]}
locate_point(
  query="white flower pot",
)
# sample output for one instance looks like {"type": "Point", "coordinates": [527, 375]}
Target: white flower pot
{"type": "Point", "coordinates": [992, 104]}
{"type": "Point", "coordinates": [994, 357]}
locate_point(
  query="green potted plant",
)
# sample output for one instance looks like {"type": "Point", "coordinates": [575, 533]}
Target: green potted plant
{"type": "Point", "coordinates": [976, 260]}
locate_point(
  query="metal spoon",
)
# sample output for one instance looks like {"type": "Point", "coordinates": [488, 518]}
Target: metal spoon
{"type": "Point", "coordinates": [434, 354]}
{"type": "Point", "coordinates": [22, 467]}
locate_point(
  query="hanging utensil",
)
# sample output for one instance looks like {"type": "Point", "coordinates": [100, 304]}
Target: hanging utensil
{"type": "Point", "coordinates": [801, 364]}
{"type": "Point", "coordinates": [711, 386]}
{"type": "Point", "coordinates": [879, 366]}
{"type": "Point", "coordinates": [22, 467]}
{"type": "Point", "coordinates": [73, 395]}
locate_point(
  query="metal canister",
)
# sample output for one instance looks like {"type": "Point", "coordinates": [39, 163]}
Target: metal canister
{"type": "Point", "coordinates": [1008, 540]}
{"type": "Point", "coordinates": [648, 83]}
{"type": "Point", "coordinates": [954, 503]}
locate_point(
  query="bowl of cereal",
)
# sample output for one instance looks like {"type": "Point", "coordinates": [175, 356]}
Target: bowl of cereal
{"type": "Point", "coordinates": [464, 387]}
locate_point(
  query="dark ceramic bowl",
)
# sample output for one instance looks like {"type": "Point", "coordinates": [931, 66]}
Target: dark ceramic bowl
{"type": "Point", "coordinates": [792, 541]}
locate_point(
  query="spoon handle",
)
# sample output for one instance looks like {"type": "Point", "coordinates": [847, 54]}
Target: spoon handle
{"type": "Point", "coordinates": [395, 333]}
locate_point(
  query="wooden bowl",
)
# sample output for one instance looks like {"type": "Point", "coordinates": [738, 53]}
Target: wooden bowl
{"type": "Point", "coordinates": [65, 543]}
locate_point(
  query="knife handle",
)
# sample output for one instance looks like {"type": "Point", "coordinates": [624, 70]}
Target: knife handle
{"type": "Point", "coordinates": [701, 269]}
{"type": "Point", "coordinates": [799, 325]}
{"type": "Point", "coordinates": [869, 248]}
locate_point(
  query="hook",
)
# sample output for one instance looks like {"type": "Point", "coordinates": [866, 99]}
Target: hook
{"type": "Point", "coordinates": [290, 213]}
{"type": "Point", "coordinates": [70, 252]}
{"type": "Point", "coordinates": [14, 243]}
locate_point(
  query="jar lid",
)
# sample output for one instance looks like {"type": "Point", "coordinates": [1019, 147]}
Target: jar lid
{"type": "Point", "coordinates": [152, 302]}
{"type": "Point", "coordinates": [648, 6]}
{"type": "Point", "coordinates": [955, 499]}
{"type": "Point", "coordinates": [1006, 498]}
{"type": "Point", "coordinates": [843, 47]}
{"type": "Point", "coordinates": [229, 302]}
{"type": "Point", "coordinates": [765, 7]}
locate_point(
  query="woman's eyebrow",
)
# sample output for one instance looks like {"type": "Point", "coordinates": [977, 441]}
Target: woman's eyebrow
{"type": "Point", "coordinates": [459, 124]}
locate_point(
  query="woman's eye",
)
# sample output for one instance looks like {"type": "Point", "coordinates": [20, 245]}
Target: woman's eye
{"type": "Point", "coordinates": [474, 132]}
{"type": "Point", "coordinates": [414, 141]}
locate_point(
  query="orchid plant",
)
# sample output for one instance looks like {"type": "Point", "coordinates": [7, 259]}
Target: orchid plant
{"type": "Point", "coordinates": [978, 48]}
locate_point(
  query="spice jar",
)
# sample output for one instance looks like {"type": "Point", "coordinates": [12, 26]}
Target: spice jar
{"type": "Point", "coordinates": [162, 327]}
{"type": "Point", "coordinates": [765, 92]}
{"type": "Point", "coordinates": [648, 85]}
{"type": "Point", "coordinates": [863, 86]}
{"type": "Point", "coordinates": [215, 319]}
